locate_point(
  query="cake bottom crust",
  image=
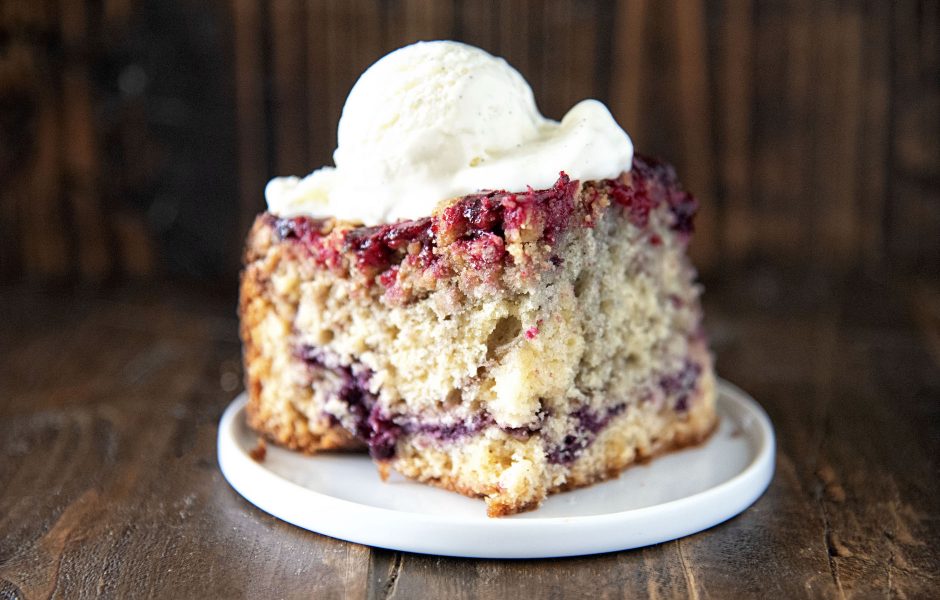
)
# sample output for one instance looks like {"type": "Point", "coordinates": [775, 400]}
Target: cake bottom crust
{"type": "Point", "coordinates": [635, 437]}
{"type": "Point", "coordinates": [622, 444]}
{"type": "Point", "coordinates": [293, 431]}
{"type": "Point", "coordinates": [610, 454]}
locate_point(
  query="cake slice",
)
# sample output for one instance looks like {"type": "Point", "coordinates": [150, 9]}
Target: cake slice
{"type": "Point", "coordinates": [510, 345]}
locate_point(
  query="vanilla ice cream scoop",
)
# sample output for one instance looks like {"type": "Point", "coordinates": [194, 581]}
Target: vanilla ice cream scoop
{"type": "Point", "coordinates": [436, 120]}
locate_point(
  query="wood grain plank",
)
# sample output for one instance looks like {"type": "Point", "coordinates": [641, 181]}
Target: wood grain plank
{"type": "Point", "coordinates": [81, 168]}
{"type": "Point", "coordinates": [874, 140]}
{"type": "Point", "coordinates": [46, 253]}
{"type": "Point", "coordinates": [248, 54]}
{"type": "Point", "coordinates": [878, 457]}
{"type": "Point", "coordinates": [354, 33]}
{"type": "Point", "coordinates": [38, 190]}
{"type": "Point", "coordinates": [475, 22]}
{"type": "Point", "coordinates": [771, 177]}
{"type": "Point", "coordinates": [781, 359]}
{"type": "Point", "coordinates": [796, 148]}
{"type": "Point", "coordinates": [914, 211]}
{"type": "Point", "coordinates": [117, 11]}
{"type": "Point", "coordinates": [515, 24]}
{"type": "Point", "coordinates": [423, 21]}
{"type": "Point", "coordinates": [628, 67]}
{"type": "Point", "coordinates": [836, 154]}
{"type": "Point", "coordinates": [736, 49]}
{"type": "Point", "coordinates": [694, 117]}
{"type": "Point", "coordinates": [321, 132]}
{"type": "Point", "coordinates": [615, 575]}
{"type": "Point", "coordinates": [582, 51]}
{"type": "Point", "coordinates": [288, 107]}
{"type": "Point", "coordinates": [19, 78]}
{"type": "Point", "coordinates": [565, 72]}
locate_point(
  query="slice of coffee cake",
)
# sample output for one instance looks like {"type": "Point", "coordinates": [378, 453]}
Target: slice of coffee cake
{"type": "Point", "coordinates": [510, 345]}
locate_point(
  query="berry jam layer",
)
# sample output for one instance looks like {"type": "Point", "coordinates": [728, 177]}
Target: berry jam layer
{"type": "Point", "coordinates": [359, 412]}
{"type": "Point", "coordinates": [362, 415]}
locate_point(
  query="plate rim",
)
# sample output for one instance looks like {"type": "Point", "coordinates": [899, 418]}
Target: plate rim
{"type": "Point", "coordinates": [746, 487]}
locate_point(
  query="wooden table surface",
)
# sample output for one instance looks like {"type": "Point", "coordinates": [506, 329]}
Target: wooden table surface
{"type": "Point", "coordinates": [109, 484]}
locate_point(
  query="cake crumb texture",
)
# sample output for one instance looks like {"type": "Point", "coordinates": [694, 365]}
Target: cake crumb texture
{"type": "Point", "coordinates": [508, 347]}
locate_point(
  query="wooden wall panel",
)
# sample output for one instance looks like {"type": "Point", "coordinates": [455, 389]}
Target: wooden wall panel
{"type": "Point", "coordinates": [136, 137]}
{"type": "Point", "coordinates": [249, 91]}
{"type": "Point", "coordinates": [914, 145]}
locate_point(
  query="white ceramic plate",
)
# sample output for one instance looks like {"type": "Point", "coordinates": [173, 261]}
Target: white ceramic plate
{"type": "Point", "coordinates": [677, 494]}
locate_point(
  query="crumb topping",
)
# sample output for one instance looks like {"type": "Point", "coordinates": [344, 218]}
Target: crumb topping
{"type": "Point", "coordinates": [477, 238]}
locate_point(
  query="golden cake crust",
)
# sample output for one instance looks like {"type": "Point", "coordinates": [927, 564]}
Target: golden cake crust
{"type": "Point", "coordinates": [283, 425]}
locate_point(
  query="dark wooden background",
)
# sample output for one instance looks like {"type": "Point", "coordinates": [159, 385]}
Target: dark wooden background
{"type": "Point", "coordinates": [136, 136]}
